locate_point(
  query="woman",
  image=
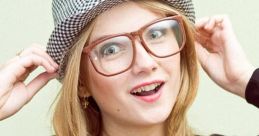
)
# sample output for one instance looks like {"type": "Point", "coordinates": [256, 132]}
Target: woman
{"type": "Point", "coordinates": [144, 99]}
{"type": "Point", "coordinates": [148, 98]}
{"type": "Point", "coordinates": [153, 96]}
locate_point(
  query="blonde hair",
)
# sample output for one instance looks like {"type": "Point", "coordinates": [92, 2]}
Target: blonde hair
{"type": "Point", "coordinates": [70, 119]}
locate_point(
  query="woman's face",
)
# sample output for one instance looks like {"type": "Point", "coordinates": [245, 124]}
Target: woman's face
{"type": "Point", "coordinates": [115, 94]}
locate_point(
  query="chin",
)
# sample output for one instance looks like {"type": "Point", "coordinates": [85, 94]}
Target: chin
{"type": "Point", "coordinates": [156, 117]}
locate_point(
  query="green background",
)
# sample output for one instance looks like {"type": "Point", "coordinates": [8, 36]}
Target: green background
{"type": "Point", "coordinates": [23, 22]}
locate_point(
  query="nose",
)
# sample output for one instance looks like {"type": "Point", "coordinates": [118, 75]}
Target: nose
{"type": "Point", "coordinates": [144, 62]}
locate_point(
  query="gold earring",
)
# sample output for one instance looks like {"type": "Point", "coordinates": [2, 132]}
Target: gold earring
{"type": "Point", "coordinates": [85, 102]}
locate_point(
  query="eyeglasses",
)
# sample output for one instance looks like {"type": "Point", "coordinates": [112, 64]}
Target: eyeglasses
{"type": "Point", "coordinates": [115, 54]}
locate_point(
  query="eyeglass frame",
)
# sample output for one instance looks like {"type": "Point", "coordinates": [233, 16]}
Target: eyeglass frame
{"type": "Point", "coordinates": [133, 36]}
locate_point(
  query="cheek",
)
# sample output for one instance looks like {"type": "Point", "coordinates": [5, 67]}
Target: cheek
{"type": "Point", "coordinates": [105, 89]}
{"type": "Point", "coordinates": [172, 66]}
{"type": "Point", "coordinates": [99, 85]}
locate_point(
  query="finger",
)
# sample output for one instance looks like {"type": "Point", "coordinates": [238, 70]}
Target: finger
{"type": "Point", "coordinates": [214, 22]}
{"type": "Point", "coordinates": [35, 60]}
{"type": "Point", "coordinates": [14, 71]}
{"type": "Point", "coordinates": [201, 23]}
{"type": "Point", "coordinates": [207, 26]}
{"type": "Point", "coordinates": [203, 55]}
{"type": "Point", "coordinates": [4, 96]}
{"type": "Point", "coordinates": [200, 27]}
{"type": "Point", "coordinates": [27, 73]}
{"type": "Point", "coordinates": [203, 33]}
{"type": "Point", "coordinates": [210, 25]}
{"type": "Point", "coordinates": [9, 62]}
{"type": "Point", "coordinates": [202, 38]}
{"type": "Point", "coordinates": [37, 83]}
{"type": "Point", "coordinates": [36, 49]}
{"type": "Point", "coordinates": [204, 41]}
{"type": "Point", "coordinates": [22, 94]}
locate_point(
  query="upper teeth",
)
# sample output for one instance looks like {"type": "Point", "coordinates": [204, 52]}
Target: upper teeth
{"type": "Point", "coordinates": [146, 88]}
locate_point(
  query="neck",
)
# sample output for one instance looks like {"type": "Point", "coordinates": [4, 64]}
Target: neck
{"type": "Point", "coordinates": [119, 129]}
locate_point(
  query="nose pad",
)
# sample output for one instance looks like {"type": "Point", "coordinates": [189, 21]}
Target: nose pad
{"type": "Point", "coordinates": [144, 61]}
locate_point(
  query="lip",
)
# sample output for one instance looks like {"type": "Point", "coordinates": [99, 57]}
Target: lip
{"type": "Point", "coordinates": [150, 98]}
{"type": "Point", "coordinates": [146, 83]}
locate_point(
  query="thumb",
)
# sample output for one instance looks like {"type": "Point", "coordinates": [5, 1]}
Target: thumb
{"type": "Point", "coordinates": [37, 83]}
{"type": "Point", "coordinates": [202, 53]}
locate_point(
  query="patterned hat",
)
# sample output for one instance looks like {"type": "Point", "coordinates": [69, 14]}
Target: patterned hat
{"type": "Point", "coordinates": [70, 17]}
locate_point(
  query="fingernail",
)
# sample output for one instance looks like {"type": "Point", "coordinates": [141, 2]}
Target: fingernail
{"type": "Point", "coordinates": [53, 69]}
{"type": "Point", "coordinates": [56, 65]}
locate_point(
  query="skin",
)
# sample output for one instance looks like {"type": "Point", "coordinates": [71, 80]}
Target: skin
{"type": "Point", "coordinates": [217, 47]}
{"type": "Point", "coordinates": [122, 113]}
{"type": "Point", "coordinates": [14, 93]}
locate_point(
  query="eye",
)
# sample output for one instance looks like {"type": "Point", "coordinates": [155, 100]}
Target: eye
{"type": "Point", "coordinates": [156, 34]}
{"type": "Point", "coordinates": [110, 49]}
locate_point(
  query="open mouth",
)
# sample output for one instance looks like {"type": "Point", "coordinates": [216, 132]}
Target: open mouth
{"type": "Point", "coordinates": [147, 89]}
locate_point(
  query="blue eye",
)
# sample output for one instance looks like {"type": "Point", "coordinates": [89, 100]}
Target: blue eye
{"type": "Point", "coordinates": [110, 50]}
{"type": "Point", "coordinates": [156, 34]}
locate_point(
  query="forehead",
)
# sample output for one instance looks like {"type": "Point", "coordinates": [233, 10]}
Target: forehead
{"type": "Point", "coordinates": [126, 17]}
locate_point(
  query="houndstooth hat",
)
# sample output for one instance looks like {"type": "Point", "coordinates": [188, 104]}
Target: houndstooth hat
{"type": "Point", "coordinates": [70, 17]}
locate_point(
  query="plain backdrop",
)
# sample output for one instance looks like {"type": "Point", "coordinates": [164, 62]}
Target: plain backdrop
{"type": "Point", "coordinates": [24, 22]}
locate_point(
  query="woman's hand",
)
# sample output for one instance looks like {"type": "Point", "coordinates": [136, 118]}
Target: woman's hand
{"type": "Point", "coordinates": [220, 54]}
{"type": "Point", "coordinates": [14, 93]}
